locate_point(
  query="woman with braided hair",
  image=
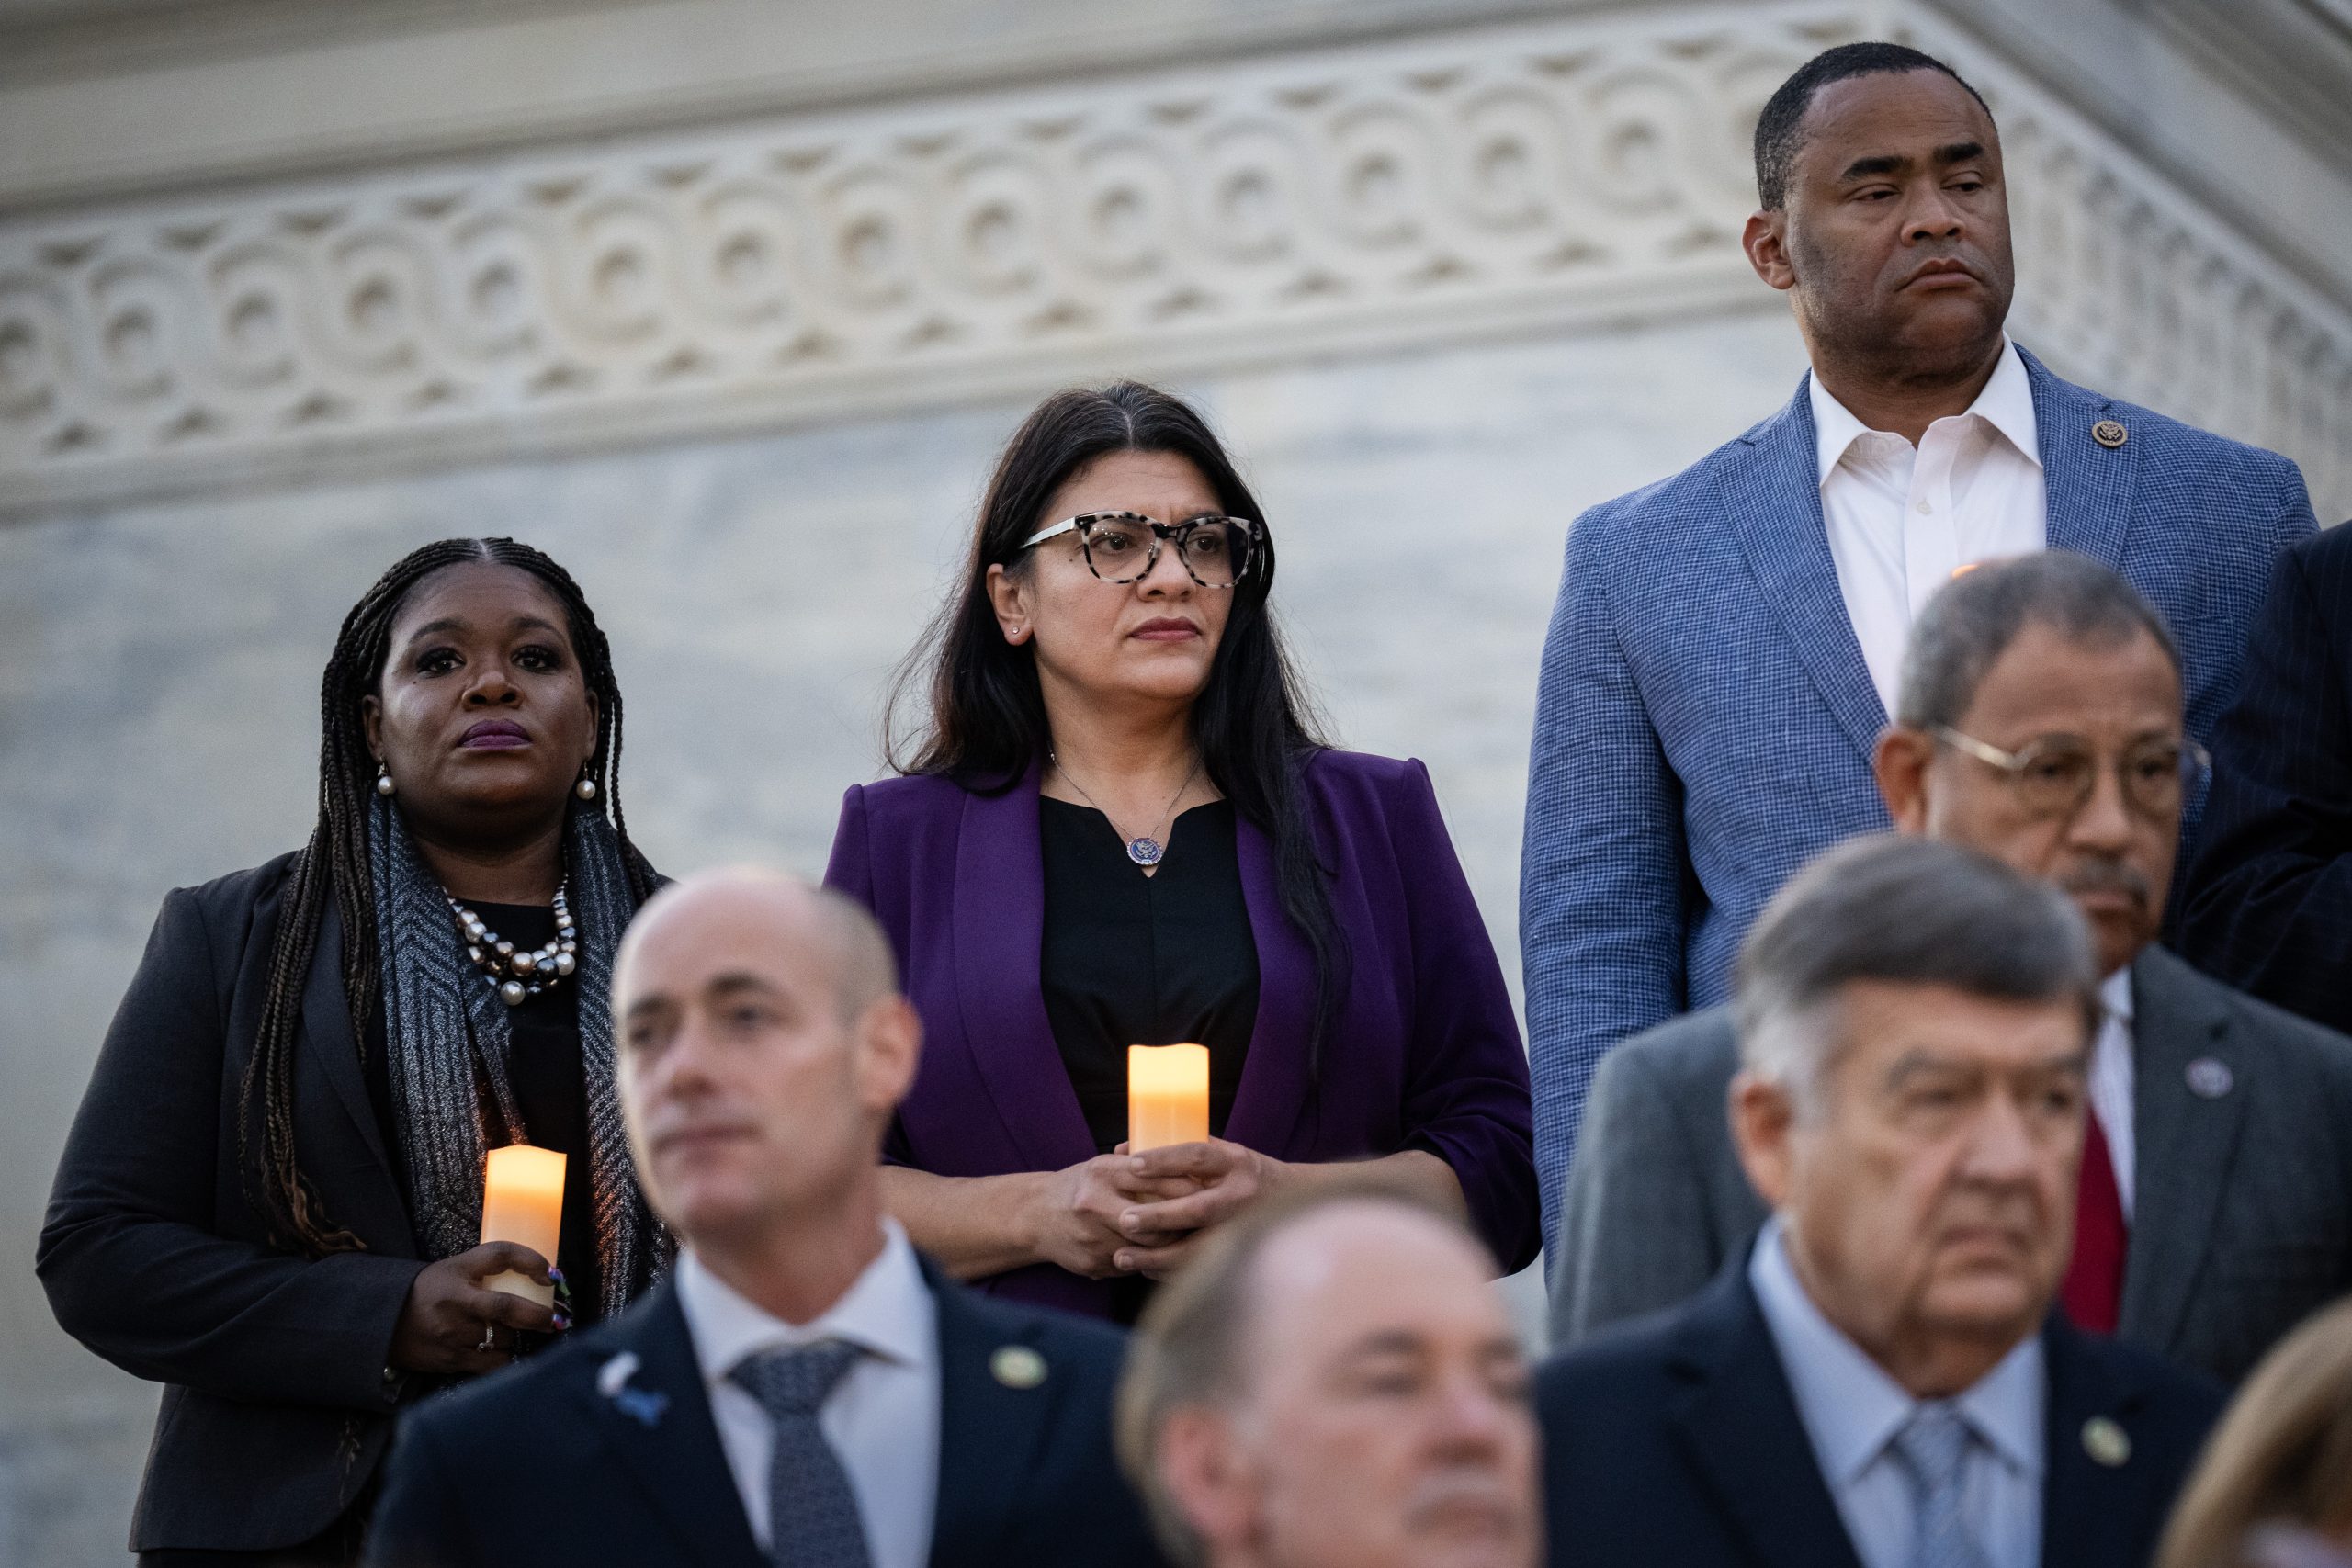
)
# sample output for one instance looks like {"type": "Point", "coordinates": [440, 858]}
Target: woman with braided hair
{"type": "Point", "coordinates": [271, 1197]}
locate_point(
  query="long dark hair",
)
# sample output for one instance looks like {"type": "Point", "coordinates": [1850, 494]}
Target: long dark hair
{"type": "Point", "coordinates": [335, 864]}
{"type": "Point", "coordinates": [1253, 723]}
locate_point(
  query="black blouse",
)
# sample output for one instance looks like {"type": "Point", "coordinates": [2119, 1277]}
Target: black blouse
{"type": "Point", "coordinates": [550, 1091]}
{"type": "Point", "coordinates": [1136, 959]}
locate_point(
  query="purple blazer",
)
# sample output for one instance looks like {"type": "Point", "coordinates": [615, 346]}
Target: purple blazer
{"type": "Point", "coordinates": [1424, 1054]}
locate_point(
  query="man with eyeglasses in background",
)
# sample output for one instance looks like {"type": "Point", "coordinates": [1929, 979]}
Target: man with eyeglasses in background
{"type": "Point", "coordinates": [2039, 722]}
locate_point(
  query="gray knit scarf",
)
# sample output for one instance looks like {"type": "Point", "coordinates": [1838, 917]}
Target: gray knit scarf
{"type": "Point", "coordinates": [445, 1035]}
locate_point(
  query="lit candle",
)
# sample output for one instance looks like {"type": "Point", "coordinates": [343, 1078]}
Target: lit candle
{"type": "Point", "coordinates": [522, 1201]}
{"type": "Point", "coordinates": [1168, 1096]}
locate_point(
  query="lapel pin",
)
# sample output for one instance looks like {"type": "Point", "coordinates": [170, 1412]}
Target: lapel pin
{"type": "Point", "coordinates": [641, 1405]}
{"type": "Point", "coordinates": [2210, 1078]}
{"type": "Point", "coordinates": [2109, 432]}
{"type": "Point", "coordinates": [2105, 1442]}
{"type": "Point", "coordinates": [1017, 1366]}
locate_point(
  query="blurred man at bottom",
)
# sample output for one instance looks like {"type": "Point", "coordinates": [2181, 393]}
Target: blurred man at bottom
{"type": "Point", "coordinates": [1332, 1383]}
{"type": "Point", "coordinates": [1880, 1382]}
{"type": "Point", "coordinates": [803, 1389]}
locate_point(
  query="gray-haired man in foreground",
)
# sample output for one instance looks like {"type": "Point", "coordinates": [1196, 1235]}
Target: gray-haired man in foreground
{"type": "Point", "coordinates": [2039, 722]}
{"type": "Point", "coordinates": [1879, 1381]}
{"type": "Point", "coordinates": [1332, 1383]}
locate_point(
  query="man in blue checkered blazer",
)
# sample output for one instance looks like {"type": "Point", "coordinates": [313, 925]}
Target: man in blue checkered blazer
{"type": "Point", "coordinates": [1718, 663]}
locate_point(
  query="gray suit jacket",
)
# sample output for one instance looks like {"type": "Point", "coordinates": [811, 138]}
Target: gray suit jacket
{"type": "Point", "coordinates": [2242, 1215]}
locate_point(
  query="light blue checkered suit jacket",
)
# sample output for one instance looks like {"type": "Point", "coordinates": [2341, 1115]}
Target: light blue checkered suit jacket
{"type": "Point", "coordinates": [1704, 722]}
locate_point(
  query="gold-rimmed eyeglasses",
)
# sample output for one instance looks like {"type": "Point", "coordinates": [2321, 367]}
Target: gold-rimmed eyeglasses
{"type": "Point", "coordinates": [1123, 546]}
{"type": "Point", "coordinates": [2053, 776]}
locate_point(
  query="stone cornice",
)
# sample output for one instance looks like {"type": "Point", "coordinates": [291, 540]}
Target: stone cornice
{"type": "Point", "coordinates": [1584, 169]}
{"type": "Point", "coordinates": [1588, 168]}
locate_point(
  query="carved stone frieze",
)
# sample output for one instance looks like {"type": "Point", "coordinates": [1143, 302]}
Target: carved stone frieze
{"type": "Point", "coordinates": [1591, 168]}
{"type": "Point", "coordinates": [870, 259]}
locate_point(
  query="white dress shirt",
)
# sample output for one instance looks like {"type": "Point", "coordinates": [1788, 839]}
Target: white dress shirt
{"type": "Point", "coordinates": [1902, 520]}
{"type": "Point", "coordinates": [1852, 1411]}
{"type": "Point", "coordinates": [2110, 1081]}
{"type": "Point", "coordinates": [882, 1417]}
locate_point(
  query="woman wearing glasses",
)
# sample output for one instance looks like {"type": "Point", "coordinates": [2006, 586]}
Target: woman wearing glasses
{"type": "Point", "coordinates": [1118, 827]}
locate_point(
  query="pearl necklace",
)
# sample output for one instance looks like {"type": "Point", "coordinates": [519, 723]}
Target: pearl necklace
{"type": "Point", "coordinates": [515, 975]}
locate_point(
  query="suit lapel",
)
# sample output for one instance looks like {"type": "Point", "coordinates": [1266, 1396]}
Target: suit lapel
{"type": "Point", "coordinates": [2087, 1507]}
{"type": "Point", "coordinates": [2089, 487]}
{"type": "Point", "coordinates": [988, 1433]}
{"type": "Point", "coordinates": [1740, 1428]}
{"type": "Point", "coordinates": [1772, 493]}
{"type": "Point", "coordinates": [999, 934]}
{"type": "Point", "coordinates": [2184, 1143]}
{"type": "Point", "coordinates": [657, 1422]}
{"type": "Point", "coordinates": [1274, 1088]}
{"type": "Point", "coordinates": [324, 1038]}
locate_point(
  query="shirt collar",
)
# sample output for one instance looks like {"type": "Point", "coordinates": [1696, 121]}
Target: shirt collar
{"type": "Point", "coordinates": [2006, 404]}
{"type": "Point", "coordinates": [2115, 994]}
{"type": "Point", "coordinates": [887, 1313]}
{"type": "Point", "coordinates": [1852, 1409]}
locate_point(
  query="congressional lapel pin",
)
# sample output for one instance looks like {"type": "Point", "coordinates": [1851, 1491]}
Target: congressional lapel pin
{"type": "Point", "coordinates": [2109, 432]}
{"type": "Point", "coordinates": [2105, 1442]}
{"type": "Point", "coordinates": [641, 1405]}
{"type": "Point", "coordinates": [2210, 1078]}
{"type": "Point", "coordinates": [1017, 1366]}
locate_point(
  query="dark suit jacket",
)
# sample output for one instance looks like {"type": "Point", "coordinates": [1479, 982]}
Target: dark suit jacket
{"type": "Point", "coordinates": [1677, 1440]}
{"type": "Point", "coordinates": [1424, 1053]}
{"type": "Point", "coordinates": [541, 1465]}
{"type": "Point", "coordinates": [2269, 900]}
{"type": "Point", "coordinates": [2241, 1222]}
{"type": "Point", "coordinates": [276, 1407]}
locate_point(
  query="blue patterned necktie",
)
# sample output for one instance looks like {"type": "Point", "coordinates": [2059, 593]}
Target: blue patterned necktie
{"type": "Point", "coordinates": [812, 1513]}
{"type": "Point", "coordinates": [1933, 1447]}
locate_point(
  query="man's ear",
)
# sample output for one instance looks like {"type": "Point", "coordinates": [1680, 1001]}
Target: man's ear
{"type": "Point", "coordinates": [1762, 1117]}
{"type": "Point", "coordinates": [890, 1040]}
{"type": "Point", "coordinates": [1206, 1475]}
{"type": "Point", "coordinates": [1900, 764]}
{"type": "Point", "coordinates": [1766, 241]}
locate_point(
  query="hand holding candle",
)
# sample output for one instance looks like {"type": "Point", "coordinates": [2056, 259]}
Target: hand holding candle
{"type": "Point", "coordinates": [522, 1201]}
{"type": "Point", "coordinates": [1168, 1096]}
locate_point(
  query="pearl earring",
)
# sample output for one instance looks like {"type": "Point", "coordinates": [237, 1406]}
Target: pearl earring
{"type": "Point", "coordinates": [384, 784]}
{"type": "Point", "coordinates": [586, 788]}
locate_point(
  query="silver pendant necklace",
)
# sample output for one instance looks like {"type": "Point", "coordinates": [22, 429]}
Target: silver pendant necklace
{"type": "Point", "coordinates": [515, 976]}
{"type": "Point", "coordinates": [1142, 849]}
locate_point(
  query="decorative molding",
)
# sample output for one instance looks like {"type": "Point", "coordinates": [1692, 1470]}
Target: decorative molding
{"type": "Point", "coordinates": [827, 263]}
{"type": "Point", "coordinates": [1592, 168]}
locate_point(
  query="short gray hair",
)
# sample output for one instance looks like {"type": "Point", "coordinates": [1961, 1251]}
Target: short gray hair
{"type": "Point", "coordinates": [1909, 911]}
{"type": "Point", "coordinates": [1972, 619]}
{"type": "Point", "coordinates": [1187, 1349]}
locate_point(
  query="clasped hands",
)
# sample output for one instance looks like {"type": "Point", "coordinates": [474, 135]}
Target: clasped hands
{"type": "Point", "coordinates": [1121, 1214]}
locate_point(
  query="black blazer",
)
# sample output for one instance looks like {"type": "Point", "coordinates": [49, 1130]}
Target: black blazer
{"type": "Point", "coordinates": [543, 1465]}
{"type": "Point", "coordinates": [2268, 901]}
{"type": "Point", "coordinates": [276, 1403]}
{"type": "Point", "coordinates": [1676, 1439]}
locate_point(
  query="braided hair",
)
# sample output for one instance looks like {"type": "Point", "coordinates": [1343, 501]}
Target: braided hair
{"type": "Point", "coordinates": [335, 864]}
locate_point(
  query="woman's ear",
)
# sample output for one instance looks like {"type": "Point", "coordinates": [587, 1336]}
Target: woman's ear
{"type": "Point", "coordinates": [371, 724]}
{"type": "Point", "coordinates": [1010, 598]}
